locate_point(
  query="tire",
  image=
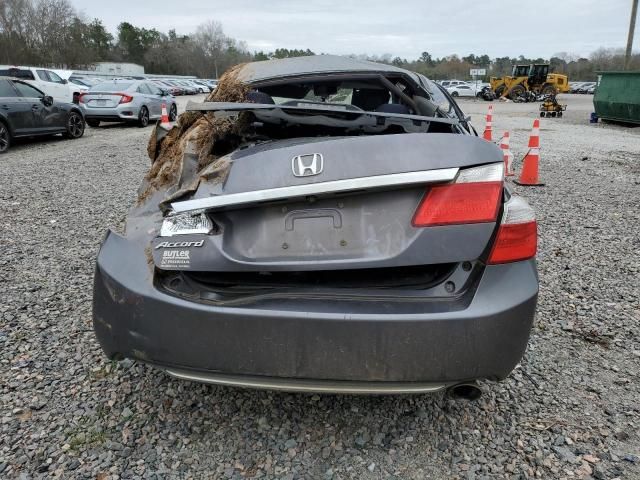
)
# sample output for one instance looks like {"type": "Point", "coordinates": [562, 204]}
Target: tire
{"type": "Point", "coordinates": [173, 113]}
{"type": "Point", "coordinates": [5, 138]}
{"type": "Point", "coordinates": [143, 117]}
{"type": "Point", "coordinates": [559, 114]}
{"type": "Point", "coordinates": [553, 114]}
{"type": "Point", "coordinates": [93, 123]}
{"type": "Point", "coordinates": [500, 91]}
{"type": "Point", "coordinates": [454, 94]}
{"type": "Point", "coordinates": [74, 126]}
{"type": "Point", "coordinates": [516, 92]}
{"type": "Point", "coordinates": [542, 114]}
{"type": "Point", "coordinates": [548, 89]}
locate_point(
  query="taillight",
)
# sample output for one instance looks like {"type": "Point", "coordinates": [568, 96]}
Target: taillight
{"type": "Point", "coordinates": [517, 237]}
{"type": "Point", "coordinates": [474, 197]}
{"type": "Point", "coordinates": [81, 98]}
{"type": "Point", "coordinates": [125, 98]}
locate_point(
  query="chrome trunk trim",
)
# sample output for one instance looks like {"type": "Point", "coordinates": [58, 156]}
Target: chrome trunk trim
{"type": "Point", "coordinates": [308, 386]}
{"type": "Point", "coordinates": [243, 199]}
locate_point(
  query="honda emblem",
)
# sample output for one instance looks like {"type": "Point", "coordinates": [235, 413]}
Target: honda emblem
{"type": "Point", "coordinates": [307, 165]}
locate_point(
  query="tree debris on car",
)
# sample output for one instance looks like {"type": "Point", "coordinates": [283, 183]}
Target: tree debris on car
{"type": "Point", "coordinates": [182, 155]}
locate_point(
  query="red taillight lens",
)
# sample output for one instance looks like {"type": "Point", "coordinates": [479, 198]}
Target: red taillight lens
{"type": "Point", "coordinates": [459, 203]}
{"type": "Point", "coordinates": [126, 98]}
{"type": "Point", "coordinates": [515, 242]}
{"type": "Point", "coordinates": [81, 98]}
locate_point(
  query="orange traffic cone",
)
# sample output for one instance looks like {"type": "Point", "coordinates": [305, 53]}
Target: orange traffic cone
{"type": "Point", "coordinates": [529, 174]}
{"type": "Point", "coordinates": [507, 156]}
{"type": "Point", "coordinates": [489, 125]}
{"type": "Point", "coordinates": [165, 116]}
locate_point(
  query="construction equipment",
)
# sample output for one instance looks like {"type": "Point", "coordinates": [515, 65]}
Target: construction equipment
{"type": "Point", "coordinates": [550, 107]}
{"type": "Point", "coordinates": [529, 78]}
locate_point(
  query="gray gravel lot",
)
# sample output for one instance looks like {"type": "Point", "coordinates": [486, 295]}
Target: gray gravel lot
{"type": "Point", "coordinates": [571, 410]}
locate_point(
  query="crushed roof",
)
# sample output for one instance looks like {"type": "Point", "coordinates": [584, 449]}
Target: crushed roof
{"type": "Point", "coordinates": [315, 64]}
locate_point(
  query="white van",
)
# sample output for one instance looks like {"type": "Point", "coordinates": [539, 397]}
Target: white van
{"type": "Point", "coordinates": [43, 79]}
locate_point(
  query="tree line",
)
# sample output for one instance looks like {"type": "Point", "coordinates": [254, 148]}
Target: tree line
{"type": "Point", "coordinates": [575, 67]}
{"type": "Point", "coordinates": [53, 33]}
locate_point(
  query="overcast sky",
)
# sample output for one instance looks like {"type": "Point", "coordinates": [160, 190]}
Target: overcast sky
{"type": "Point", "coordinates": [402, 28]}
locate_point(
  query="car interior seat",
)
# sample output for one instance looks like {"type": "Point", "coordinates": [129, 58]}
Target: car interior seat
{"type": "Point", "coordinates": [259, 97]}
{"type": "Point", "coordinates": [393, 108]}
{"type": "Point", "coordinates": [368, 99]}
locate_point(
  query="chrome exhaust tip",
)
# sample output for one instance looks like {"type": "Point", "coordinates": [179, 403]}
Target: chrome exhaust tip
{"type": "Point", "coordinates": [465, 391]}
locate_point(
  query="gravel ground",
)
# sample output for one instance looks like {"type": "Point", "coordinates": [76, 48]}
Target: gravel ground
{"type": "Point", "coordinates": [570, 410]}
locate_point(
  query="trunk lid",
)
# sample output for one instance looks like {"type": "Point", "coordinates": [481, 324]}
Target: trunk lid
{"type": "Point", "coordinates": [362, 228]}
{"type": "Point", "coordinates": [269, 165]}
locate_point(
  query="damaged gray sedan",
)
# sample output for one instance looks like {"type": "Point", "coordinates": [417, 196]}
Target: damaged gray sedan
{"type": "Point", "coordinates": [322, 224]}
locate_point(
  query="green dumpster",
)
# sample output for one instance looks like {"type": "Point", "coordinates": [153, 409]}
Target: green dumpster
{"type": "Point", "coordinates": [617, 96]}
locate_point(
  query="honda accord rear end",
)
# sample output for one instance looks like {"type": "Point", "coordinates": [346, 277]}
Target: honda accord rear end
{"type": "Point", "coordinates": [393, 260]}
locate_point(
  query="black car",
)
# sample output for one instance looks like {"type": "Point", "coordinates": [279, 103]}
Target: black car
{"type": "Point", "coordinates": [26, 111]}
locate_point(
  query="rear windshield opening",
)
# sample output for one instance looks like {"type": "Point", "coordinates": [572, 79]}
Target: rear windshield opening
{"type": "Point", "coordinates": [346, 99]}
{"type": "Point", "coordinates": [365, 95]}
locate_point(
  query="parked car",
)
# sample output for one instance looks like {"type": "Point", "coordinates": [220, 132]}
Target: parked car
{"type": "Point", "coordinates": [80, 82]}
{"type": "Point", "coordinates": [45, 80]}
{"type": "Point", "coordinates": [452, 83]}
{"type": "Point", "coordinates": [73, 82]}
{"type": "Point", "coordinates": [79, 86]}
{"type": "Point", "coordinates": [206, 88]}
{"type": "Point", "coordinates": [585, 87]}
{"type": "Point", "coordinates": [134, 101]}
{"type": "Point", "coordinates": [461, 90]}
{"type": "Point", "coordinates": [198, 87]}
{"type": "Point", "coordinates": [188, 88]}
{"type": "Point", "coordinates": [574, 86]}
{"type": "Point", "coordinates": [352, 235]}
{"type": "Point", "coordinates": [212, 84]}
{"type": "Point", "coordinates": [180, 88]}
{"type": "Point", "coordinates": [591, 90]}
{"type": "Point", "coordinates": [26, 111]}
{"type": "Point", "coordinates": [163, 85]}
{"type": "Point", "coordinates": [83, 80]}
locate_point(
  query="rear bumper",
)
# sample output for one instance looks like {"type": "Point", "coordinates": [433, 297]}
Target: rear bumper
{"type": "Point", "coordinates": [118, 114]}
{"type": "Point", "coordinates": [276, 346]}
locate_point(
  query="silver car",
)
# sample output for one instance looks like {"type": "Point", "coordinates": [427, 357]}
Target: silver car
{"type": "Point", "coordinates": [135, 101]}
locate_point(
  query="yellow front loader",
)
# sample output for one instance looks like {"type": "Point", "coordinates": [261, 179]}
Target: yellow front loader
{"type": "Point", "coordinates": [530, 78]}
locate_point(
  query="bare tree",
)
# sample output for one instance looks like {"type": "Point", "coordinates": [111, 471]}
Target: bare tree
{"type": "Point", "coordinates": [15, 29]}
{"type": "Point", "coordinates": [211, 38]}
{"type": "Point", "coordinates": [54, 19]}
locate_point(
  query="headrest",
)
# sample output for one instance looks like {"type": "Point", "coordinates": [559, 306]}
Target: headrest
{"type": "Point", "coordinates": [259, 97]}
